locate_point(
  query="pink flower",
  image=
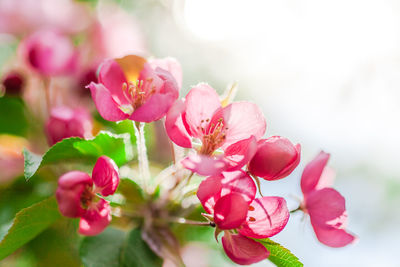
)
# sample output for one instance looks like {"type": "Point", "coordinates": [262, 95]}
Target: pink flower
{"type": "Point", "coordinates": [12, 83]}
{"type": "Point", "coordinates": [129, 88]}
{"type": "Point", "coordinates": [276, 158]}
{"type": "Point", "coordinates": [229, 198]}
{"type": "Point", "coordinates": [49, 53]}
{"type": "Point", "coordinates": [325, 205]}
{"type": "Point", "coordinates": [65, 122]}
{"type": "Point", "coordinates": [76, 195]}
{"type": "Point", "coordinates": [201, 121]}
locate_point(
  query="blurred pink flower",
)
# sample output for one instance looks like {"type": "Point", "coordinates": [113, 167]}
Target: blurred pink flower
{"type": "Point", "coordinates": [12, 83]}
{"type": "Point", "coordinates": [65, 122]}
{"type": "Point", "coordinates": [76, 195]}
{"type": "Point", "coordinates": [11, 158]}
{"type": "Point", "coordinates": [129, 88]}
{"type": "Point", "coordinates": [276, 158]}
{"type": "Point", "coordinates": [49, 52]}
{"type": "Point", "coordinates": [325, 205]}
{"type": "Point", "coordinates": [233, 129]}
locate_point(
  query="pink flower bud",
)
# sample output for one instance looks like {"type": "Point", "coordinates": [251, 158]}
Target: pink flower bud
{"type": "Point", "coordinates": [65, 122]}
{"type": "Point", "coordinates": [276, 158]}
{"type": "Point", "coordinates": [49, 53]}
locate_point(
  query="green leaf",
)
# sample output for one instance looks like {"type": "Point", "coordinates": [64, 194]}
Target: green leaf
{"type": "Point", "coordinates": [15, 122]}
{"type": "Point", "coordinates": [281, 256]}
{"type": "Point", "coordinates": [118, 147]}
{"type": "Point", "coordinates": [136, 252]}
{"type": "Point", "coordinates": [27, 224]}
{"type": "Point", "coordinates": [132, 192]}
{"type": "Point", "coordinates": [103, 250]}
{"type": "Point", "coordinates": [114, 248]}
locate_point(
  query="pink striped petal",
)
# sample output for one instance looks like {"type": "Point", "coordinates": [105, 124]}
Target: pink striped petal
{"type": "Point", "coordinates": [96, 219]}
{"type": "Point", "coordinates": [240, 153]}
{"type": "Point", "coordinates": [105, 176]}
{"type": "Point", "coordinates": [112, 77]}
{"type": "Point", "coordinates": [266, 217]}
{"type": "Point", "coordinates": [312, 172]}
{"type": "Point", "coordinates": [230, 211]}
{"type": "Point", "coordinates": [332, 236]}
{"type": "Point", "coordinates": [243, 250]}
{"type": "Point", "coordinates": [106, 105]}
{"type": "Point", "coordinates": [174, 126]}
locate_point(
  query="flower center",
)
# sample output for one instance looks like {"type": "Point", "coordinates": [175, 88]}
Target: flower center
{"type": "Point", "coordinates": [87, 197]}
{"type": "Point", "coordinates": [138, 92]}
{"type": "Point", "coordinates": [213, 136]}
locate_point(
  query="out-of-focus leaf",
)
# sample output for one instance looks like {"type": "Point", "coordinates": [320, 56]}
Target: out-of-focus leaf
{"type": "Point", "coordinates": [27, 224]}
{"type": "Point", "coordinates": [117, 147]}
{"type": "Point", "coordinates": [136, 252]}
{"type": "Point", "coordinates": [132, 192]}
{"type": "Point", "coordinates": [279, 255]}
{"type": "Point", "coordinates": [103, 250]}
{"type": "Point", "coordinates": [12, 116]}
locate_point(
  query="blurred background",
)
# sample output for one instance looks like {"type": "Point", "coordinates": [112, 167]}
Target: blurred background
{"type": "Point", "coordinates": [326, 74]}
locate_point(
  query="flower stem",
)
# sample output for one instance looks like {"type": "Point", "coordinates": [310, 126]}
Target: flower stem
{"type": "Point", "coordinates": [144, 170]}
{"type": "Point", "coordinates": [185, 221]}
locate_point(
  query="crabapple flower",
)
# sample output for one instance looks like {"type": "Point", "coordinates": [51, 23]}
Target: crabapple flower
{"type": "Point", "coordinates": [130, 88]}
{"type": "Point", "coordinates": [276, 158]}
{"type": "Point", "coordinates": [13, 83]}
{"type": "Point", "coordinates": [201, 121]}
{"type": "Point", "coordinates": [229, 200]}
{"type": "Point", "coordinates": [76, 195]}
{"type": "Point", "coordinates": [65, 122]}
{"type": "Point", "coordinates": [325, 205]}
{"type": "Point", "coordinates": [50, 53]}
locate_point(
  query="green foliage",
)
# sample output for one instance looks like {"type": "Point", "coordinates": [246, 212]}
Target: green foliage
{"type": "Point", "coordinates": [279, 255]}
{"type": "Point", "coordinates": [133, 193]}
{"type": "Point", "coordinates": [115, 248]}
{"type": "Point", "coordinates": [27, 224]}
{"type": "Point", "coordinates": [117, 147]}
{"type": "Point", "coordinates": [12, 118]}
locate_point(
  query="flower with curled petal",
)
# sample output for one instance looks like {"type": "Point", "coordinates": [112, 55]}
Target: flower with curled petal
{"type": "Point", "coordinates": [325, 205]}
{"type": "Point", "coordinates": [77, 195]}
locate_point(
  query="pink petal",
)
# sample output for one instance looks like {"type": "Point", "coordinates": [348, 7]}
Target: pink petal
{"type": "Point", "coordinates": [243, 250]}
{"type": "Point", "coordinates": [154, 108]}
{"type": "Point", "coordinates": [332, 236]}
{"type": "Point", "coordinates": [174, 125]}
{"type": "Point", "coordinates": [276, 158]}
{"type": "Point", "coordinates": [266, 217]}
{"type": "Point", "coordinates": [105, 176]}
{"type": "Point", "coordinates": [313, 171]}
{"type": "Point", "coordinates": [204, 165]}
{"type": "Point", "coordinates": [214, 187]}
{"type": "Point", "coordinates": [150, 79]}
{"type": "Point", "coordinates": [201, 103]}
{"type": "Point", "coordinates": [70, 188]}
{"type": "Point", "coordinates": [112, 77]}
{"type": "Point", "coordinates": [325, 205]}
{"type": "Point", "coordinates": [106, 104]}
{"type": "Point", "coordinates": [230, 211]}
{"type": "Point", "coordinates": [96, 219]}
{"type": "Point", "coordinates": [240, 153]}
{"type": "Point", "coordinates": [243, 119]}
{"type": "Point", "coordinates": [171, 65]}
{"type": "Point", "coordinates": [327, 178]}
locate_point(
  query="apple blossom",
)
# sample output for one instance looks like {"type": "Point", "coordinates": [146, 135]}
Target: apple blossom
{"type": "Point", "coordinates": [76, 195]}
{"type": "Point", "coordinates": [325, 205]}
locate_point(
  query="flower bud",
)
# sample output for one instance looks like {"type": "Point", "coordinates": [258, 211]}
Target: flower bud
{"type": "Point", "coordinates": [65, 122]}
{"type": "Point", "coordinates": [12, 83]}
{"type": "Point", "coordinates": [276, 158]}
{"type": "Point", "coordinates": [49, 53]}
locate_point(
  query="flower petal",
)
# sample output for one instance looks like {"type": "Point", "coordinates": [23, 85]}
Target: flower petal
{"type": "Point", "coordinates": [169, 64]}
{"type": "Point", "coordinates": [243, 119]}
{"type": "Point", "coordinates": [240, 153]}
{"type": "Point", "coordinates": [332, 236]}
{"type": "Point", "coordinates": [267, 216]}
{"type": "Point", "coordinates": [204, 165]}
{"type": "Point", "coordinates": [105, 176]}
{"type": "Point", "coordinates": [174, 125]}
{"type": "Point", "coordinates": [209, 192]}
{"type": "Point", "coordinates": [243, 250]}
{"type": "Point", "coordinates": [313, 171]}
{"type": "Point", "coordinates": [70, 188]}
{"type": "Point", "coordinates": [96, 219]}
{"type": "Point", "coordinates": [112, 77]}
{"type": "Point", "coordinates": [201, 103]}
{"type": "Point", "coordinates": [106, 104]}
{"type": "Point", "coordinates": [230, 211]}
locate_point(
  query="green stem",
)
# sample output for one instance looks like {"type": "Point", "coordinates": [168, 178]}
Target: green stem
{"type": "Point", "coordinates": [144, 170]}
